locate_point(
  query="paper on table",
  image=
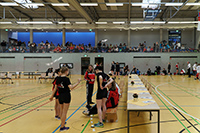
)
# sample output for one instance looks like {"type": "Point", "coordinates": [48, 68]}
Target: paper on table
{"type": "Point", "coordinates": [138, 91]}
{"type": "Point", "coordinates": [141, 102]}
{"type": "Point", "coordinates": [136, 86]}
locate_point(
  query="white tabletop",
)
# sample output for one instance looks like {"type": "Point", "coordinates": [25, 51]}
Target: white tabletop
{"type": "Point", "coordinates": [145, 95]}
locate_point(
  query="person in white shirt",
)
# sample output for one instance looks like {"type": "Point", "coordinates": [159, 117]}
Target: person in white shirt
{"type": "Point", "coordinates": [198, 72]}
{"type": "Point", "coordinates": [194, 69]}
{"type": "Point", "coordinates": [188, 69]}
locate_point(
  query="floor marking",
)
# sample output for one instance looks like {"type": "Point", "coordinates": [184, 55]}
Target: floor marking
{"type": "Point", "coordinates": [72, 114]}
{"type": "Point", "coordinates": [24, 114]}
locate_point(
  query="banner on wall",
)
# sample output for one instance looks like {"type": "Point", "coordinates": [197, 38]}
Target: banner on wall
{"type": "Point", "coordinates": [198, 27]}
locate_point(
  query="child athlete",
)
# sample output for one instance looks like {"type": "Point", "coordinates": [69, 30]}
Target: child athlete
{"type": "Point", "coordinates": [64, 94]}
{"type": "Point", "coordinates": [101, 96]}
{"type": "Point", "coordinates": [56, 95]}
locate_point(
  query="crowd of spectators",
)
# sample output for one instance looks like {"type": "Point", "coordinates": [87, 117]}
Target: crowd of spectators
{"type": "Point", "coordinates": [69, 47]}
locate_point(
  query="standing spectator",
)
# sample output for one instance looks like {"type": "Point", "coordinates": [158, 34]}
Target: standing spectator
{"type": "Point", "coordinates": [3, 45]}
{"type": "Point", "coordinates": [198, 72]}
{"type": "Point", "coordinates": [161, 46]}
{"type": "Point", "coordinates": [117, 69]}
{"type": "Point", "coordinates": [188, 69]}
{"type": "Point", "coordinates": [99, 46]}
{"type": "Point", "coordinates": [177, 67]}
{"type": "Point", "coordinates": [194, 69]}
{"type": "Point", "coordinates": [169, 68]}
{"type": "Point", "coordinates": [112, 68]}
{"type": "Point", "coordinates": [19, 43]}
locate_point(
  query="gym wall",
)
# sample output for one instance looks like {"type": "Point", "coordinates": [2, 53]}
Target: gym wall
{"type": "Point", "coordinates": [143, 61]}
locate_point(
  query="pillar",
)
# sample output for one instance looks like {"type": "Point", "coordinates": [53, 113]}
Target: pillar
{"type": "Point", "coordinates": [96, 37]}
{"type": "Point", "coordinates": [161, 35]}
{"type": "Point", "coordinates": [129, 38]}
{"type": "Point", "coordinates": [31, 35]}
{"type": "Point", "coordinates": [63, 37]}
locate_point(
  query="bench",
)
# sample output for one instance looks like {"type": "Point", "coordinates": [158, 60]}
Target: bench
{"type": "Point", "coordinates": [111, 114]}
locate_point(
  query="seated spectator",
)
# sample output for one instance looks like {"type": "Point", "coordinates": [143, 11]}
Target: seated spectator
{"type": "Point", "coordinates": [126, 70]}
{"type": "Point", "coordinates": [149, 72]}
{"type": "Point", "coordinates": [138, 72]}
{"type": "Point", "coordinates": [10, 49]}
{"type": "Point", "coordinates": [164, 72]}
{"type": "Point", "coordinates": [57, 49]}
{"type": "Point", "coordinates": [149, 49]}
{"type": "Point", "coordinates": [182, 48]}
{"type": "Point", "coordinates": [182, 72]}
{"type": "Point", "coordinates": [134, 70]}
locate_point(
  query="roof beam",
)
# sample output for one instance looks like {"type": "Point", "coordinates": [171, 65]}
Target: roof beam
{"type": "Point", "coordinates": [113, 7]}
{"type": "Point", "coordinates": [102, 6]}
{"type": "Point", "coordinates": [20, 11]}
{"type": "Point", "coordinates": [44, 1]}
{"type": "Point", "coordinates": [81, 11]}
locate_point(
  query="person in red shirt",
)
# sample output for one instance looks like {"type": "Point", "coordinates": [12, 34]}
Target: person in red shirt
{"type": "Point", "coordinates": [177, 66]}
{"type": "Point", "coordinates": [56, 95]}
{"type": "Point", "coordinates": [90, 78]}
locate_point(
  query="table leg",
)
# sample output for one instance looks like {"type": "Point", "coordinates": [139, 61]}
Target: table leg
{"type": "Point", "coordinates": [150, 115]}
{"type": "Point", "coordinates": [128, 122]}
{"type": "Point", "coordinates": [29, 75]}
{"type": "Point", "coordinates": [158, 121]}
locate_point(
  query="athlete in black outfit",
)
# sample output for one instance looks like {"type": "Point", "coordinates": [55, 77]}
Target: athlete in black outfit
{"type": "Point", "coordinates": [64, 89]}
{"type": "Point", "coordinates": [102, 81]}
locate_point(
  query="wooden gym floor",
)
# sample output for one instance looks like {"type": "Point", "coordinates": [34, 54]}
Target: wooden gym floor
{"type": "Point", "coordinates": [25, 108]}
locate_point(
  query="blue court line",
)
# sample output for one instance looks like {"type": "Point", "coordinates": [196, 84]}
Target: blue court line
{"type": "Point", "coordinates": [72, 114]}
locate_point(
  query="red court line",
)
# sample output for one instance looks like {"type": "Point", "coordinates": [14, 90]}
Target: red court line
{"type": "Point", "coordinates": [23, 114]}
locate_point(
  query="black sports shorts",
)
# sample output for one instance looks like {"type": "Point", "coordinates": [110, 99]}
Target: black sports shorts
{"type": "Point", "coordinates": [101, 94]}
{"type": "Point", "coordinates": [64, 98]}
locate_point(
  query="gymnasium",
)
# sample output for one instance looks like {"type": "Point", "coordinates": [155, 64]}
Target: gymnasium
{"type": "Point", "coordinates": [99, 66]}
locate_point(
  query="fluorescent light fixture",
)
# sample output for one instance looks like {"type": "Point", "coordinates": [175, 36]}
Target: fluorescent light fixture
{"type": "Point", "coordinates": [183, 22]}
{"type": "Point", "coordinates": [173, 4]}
{"type": "Point", "coordinates": [114, 4]}
{"type": "Point", "coordinates": [64, 22]}
{"type": "Point", "coordinates": [36, 22]}
{"type": "Point", "coordinates": [173, 22]}
{"type": "Point", "coordinates": [101, 22]}
{"type": "Point", "coordinates": [81, 22]}
{"type": "Point", "coordinates": [147, 22]}
{"type": "Point", "coordinates": [5, 22]}
{"type": "Point", "coordinates": [60, 4]}
{"type": "Point", "coordinates": [140, 4]}
{"type": "Point", "coordinates": [192, 4]}
{"type": "Point", "coordinates": [8, 4]}
{"type": "Point", "coordinates": [34, 4]}
{"type": "Point", "coordinates": [119, 22]}
{"type": "Point", "coordinates": [88, 4]}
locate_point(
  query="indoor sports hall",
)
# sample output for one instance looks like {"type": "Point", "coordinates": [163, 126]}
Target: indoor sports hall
{"type": "Point", "coordinates": [100, 66]}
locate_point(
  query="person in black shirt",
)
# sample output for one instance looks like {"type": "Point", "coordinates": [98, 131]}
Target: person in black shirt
{"type": "Point", "coordinates": [112, 68]}
{"type": "Point", "coordinates": [117, 69]}
{"type": "Point", "coordinates": [64, 89]}
{"type": "Point", "coordinates": [164, 72]}
{"type": "Point", "coordinates": [169, 67]}
{"type": "Point", "coordinates": [101, 96]}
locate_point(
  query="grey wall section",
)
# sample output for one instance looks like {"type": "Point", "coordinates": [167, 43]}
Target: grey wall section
{"type": "Point", "coordinates": [3, 35]}
{"type": "Point", "coordinates": [187, 37]}
{"type": "Point", "coordinates": [145, 35]}
{"type": "Point", "coordinates": [114, 36]}
{"type": "Point", "coordinates": [19, 63]}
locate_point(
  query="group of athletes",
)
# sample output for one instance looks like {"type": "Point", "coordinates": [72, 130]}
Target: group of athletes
{"type": "Point", "coordinates": [107, 96]}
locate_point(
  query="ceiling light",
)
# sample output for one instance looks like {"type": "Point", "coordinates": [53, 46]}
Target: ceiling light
{"type": "Point", "coordinates": [34, 4]}
{"type": "Point", "coordinates": [101, 22]}
{"type": "Point", "coordinates": [147, 22]}
{"type": "Point", "coordinates": [36, 22]}
{"type": "Point", "coordinates": [8, 4]}
{"type": "Point", "coordinates": [114, 4]}
{"type": "Point", "coordinates": [64, 22]}
{"type": "Point", "coordinates": [81, 22]}
{"type": "Point", "coordinates": [59, 4]}
{"type": "Point", "coordinates": [173, 4]}
{"type": "Point", "coordinates": [118, 22]}
{"type": "Point", "coordinates": [192, 4]}
{"type": "Point", "coordinates": [5, 22]}
{"type": "Point", "coordinates": [88, 4]}
{"type": "Point", "coordinates": [140, 4]}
